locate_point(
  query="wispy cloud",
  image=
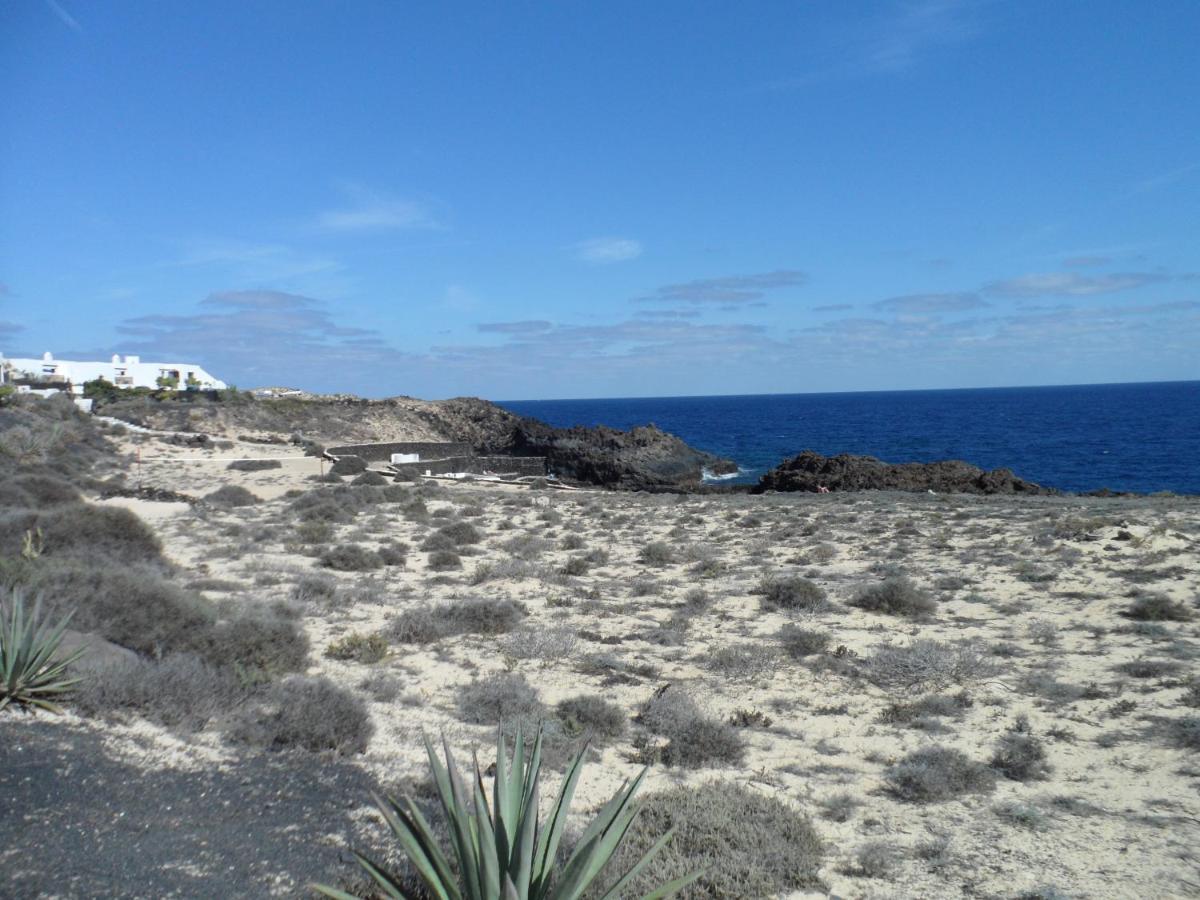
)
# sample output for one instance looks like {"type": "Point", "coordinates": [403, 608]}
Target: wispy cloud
{"type": "Point", "coordinates": [1071, 284]}
{"type": "Point", "coordinates": [890, 41]}
{"type": "Point", "coordinates": [371, 211]}
{"type": "Point", "coordinates": [526, 326]}
{"type": "Point", "coordinates": [1166, 179]}
{"type": "Point", "coordinates": [9, 330]}
{"type": "Point", "coordinates": [931, 303]}
{"type": "Point", "coordinates": [732, 290]}
{"type": "Point", "coordinates": [250, 261]}
{"type": "Point", "coordinates": [1086, 262]}
{"type": "Point", "coordinates": [263, 337]}
{"type": "Point", "coordinates": [833, 307]}
{"type": "Point", "coordinates": [603, 250]}
{"type": "Point", "coordinates": [63, 16]}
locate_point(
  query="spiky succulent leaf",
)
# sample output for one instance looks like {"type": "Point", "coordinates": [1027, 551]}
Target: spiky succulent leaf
{"type": "Point", "coordinates": [30, 672]}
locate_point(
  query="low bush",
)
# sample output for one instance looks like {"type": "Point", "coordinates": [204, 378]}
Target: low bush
{"type": "Point", "coordinates": [918, 713]}
{"type": "Point", "coordinates": [178, 691]}
{"type": "Point", "coordinates": [504, 697]}
{"type": "Point", "coordinates": [1157, 608]}
{"type": "Point", "coordinates": [1020, 756]}
{"type": "Point", "coordinates": [927, 665]}
{"type": "Point", "coordinates": [256, 641]}
{"type": "Point", "coordinates": [1148, 668]}
{"type": "Point", "coordinates": [369, 479]}
{"type": "Point", "coordinates": [656, 554]}
{"type": "Point", "coordinates": [546, 645]}
{"type": "Point", "coordinates": [350, 558]}
{"type": "Point", "coordinates": [40, 491]}
{"type": "Point", "coordinates": [694, 740]}
{"type": "Point", "coordinates": [309, 713]}
{"type": "Point", "coordinates": [231, 495]}
{"type": "Point", "coordinates": [472, 615]}
{"type": "Point", "coordinates": [592, 717]}
{"type": "Point", "coordinates": [575, 566]}
{"type": "Point", "coordinates": [363, 648]}
{"type": "Point", "coordinates": [315, 532]}
{"type": "Point", "coordinates": [348, 465]}
{"type": "Point", "coordinates": [444, 561]}
{"type": "Point", "coordinates": [84, 531]}
{"type": "Point", "coordinates": [742, 662]}
{"type": "Point", "coordinates": [800, 642]}
{"type": "Point", "coordinates": [254, 465]}
{"type": "Point", "coordinates": [746, 844]}
{"type": "Point", "coordinates": [461, 534]}
{"type": "Point", "coordinates": [936, 774]}
{"type": "Point", "coordinates": [896, 597]}
{"type": "Point", "coordinates": [315, 588]}
{"type": "Point", "coordinates": [393, 554]}
{"type": "Point", "coordinates": [793, 594]}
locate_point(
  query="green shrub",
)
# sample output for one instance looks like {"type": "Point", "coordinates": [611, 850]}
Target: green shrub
{"type": "Point", "coordinates": [896, 597]}
{"type": "Point", "coordinates": [309, 713]}
{"type": "Point", "coordinates": [793, 594]}
{"type": "Point", "coordinates": [745, 844]}
{"type": "Point", "coordinates": [505, 848]}
{"type": "Point", "coordinates": [936, 774]}
{"type": "Point", "coordinates": [363, 648]}
{"type": "Point", "coordinates": [350, 558]}
{"type": "Point", "coordinates": [31, 673]}
{"type": "Point", "coordinates": [231, 495]}
{"type": "Point", "coordinates": [254, 465]}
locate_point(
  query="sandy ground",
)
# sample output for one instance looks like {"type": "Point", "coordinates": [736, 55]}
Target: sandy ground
{"type": "Point", "coordinates": [1039, 586]}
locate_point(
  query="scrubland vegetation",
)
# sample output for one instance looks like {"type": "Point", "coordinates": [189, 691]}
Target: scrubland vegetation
{"type": "Point", "coordinates": [869, 694]}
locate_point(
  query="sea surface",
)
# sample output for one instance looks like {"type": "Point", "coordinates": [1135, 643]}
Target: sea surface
{"type": "Point", "coordinates": [1126, 437]}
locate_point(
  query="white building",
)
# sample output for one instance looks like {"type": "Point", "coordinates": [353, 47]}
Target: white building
{"type": "Point", "coordinates": [128, 372]}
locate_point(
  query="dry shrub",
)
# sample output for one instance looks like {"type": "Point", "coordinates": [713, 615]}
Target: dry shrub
{"type": "Point", "coordinates": [897, 597]}
{"type": "Point", "coordinates": [309, 713]}
{"type": "Point", "coordinates": [936, 774]}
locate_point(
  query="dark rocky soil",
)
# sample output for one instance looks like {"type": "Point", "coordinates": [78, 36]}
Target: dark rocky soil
{"type": "Point", "coordinates": [77, 822]}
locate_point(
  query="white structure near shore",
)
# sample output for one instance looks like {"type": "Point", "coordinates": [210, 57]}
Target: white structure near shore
{"type": "Point", "coordinates": [127, 372]}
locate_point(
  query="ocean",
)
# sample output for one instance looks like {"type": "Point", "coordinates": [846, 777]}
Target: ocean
{"type": "Point", "coordinates": [1126, 437]}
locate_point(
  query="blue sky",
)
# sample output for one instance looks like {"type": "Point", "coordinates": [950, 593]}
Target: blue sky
{"type": "Point", "coordinates": [538, 200]}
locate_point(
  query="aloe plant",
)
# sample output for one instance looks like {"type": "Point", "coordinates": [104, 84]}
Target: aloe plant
{"type": "Point", "coordinates": [504, 852]}
{"type": "Point", "coordinates": [30, 672]}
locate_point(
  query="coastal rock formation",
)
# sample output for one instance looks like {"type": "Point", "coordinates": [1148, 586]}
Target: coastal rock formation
{"type": "Point", "coordinates": [811, 471]}
{"type": "Point", "coordinates": [644, 458]}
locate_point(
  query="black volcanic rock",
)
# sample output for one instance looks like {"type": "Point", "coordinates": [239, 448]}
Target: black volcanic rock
{"type": "Point", "coordinates": [644, 458]}
{"type": "Point", "coordinates": [811, 471]}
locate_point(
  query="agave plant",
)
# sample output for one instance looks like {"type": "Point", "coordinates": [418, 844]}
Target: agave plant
{"type": "Point", "coordinates": [30, 673]}
{"type": "Point", "coordinates": [505, 853]}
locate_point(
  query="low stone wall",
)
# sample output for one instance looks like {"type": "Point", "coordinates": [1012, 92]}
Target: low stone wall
{"type": "Point", "coordinates": [478, 465]}
{"type": "Point", "coordinates": [428, 450]}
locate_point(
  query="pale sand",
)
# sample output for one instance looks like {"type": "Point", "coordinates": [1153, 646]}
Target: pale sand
{"type": "Point", "coordinates": [1118, 817]}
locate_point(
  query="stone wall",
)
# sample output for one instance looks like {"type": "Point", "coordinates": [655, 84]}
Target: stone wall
{"type": "Point", "coordinates": [477, 465]}
{"type": "Point", "coordinates": [383, 452]}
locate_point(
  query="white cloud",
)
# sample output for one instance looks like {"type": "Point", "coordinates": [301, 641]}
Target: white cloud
{"type": "Point", "coordinates": [603, 250]}
{"type": "Point", "coordinates": [371, 211]}
{"type": "Point", "coordinates": [1071, 284]}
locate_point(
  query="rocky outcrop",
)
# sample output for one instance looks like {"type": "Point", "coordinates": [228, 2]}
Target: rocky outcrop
{"type": "Point", "coordinates": [644, 458]}
{"type": "Point", "coordinates": [811, 472]}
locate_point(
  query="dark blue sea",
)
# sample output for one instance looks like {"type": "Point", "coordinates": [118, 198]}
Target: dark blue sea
{"type": "Point", "coordinates": [1127, 437]}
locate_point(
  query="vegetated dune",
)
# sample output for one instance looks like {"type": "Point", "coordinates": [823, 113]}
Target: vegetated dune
{"type": "Point", "coordinates": [865, 694]}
